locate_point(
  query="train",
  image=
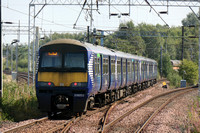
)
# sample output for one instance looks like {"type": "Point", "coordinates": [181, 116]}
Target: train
{"type": "Point", "coordinates": [74, 76]}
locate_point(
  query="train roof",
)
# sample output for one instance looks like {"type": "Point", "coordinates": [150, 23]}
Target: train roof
{"type": "Point", "coordinates": [63, 41]}
{"type": "Point", "coordinates": [99, 49]}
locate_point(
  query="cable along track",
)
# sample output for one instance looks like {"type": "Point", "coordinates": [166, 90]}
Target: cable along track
{"type": "Point", "coordinates": [160, 101]}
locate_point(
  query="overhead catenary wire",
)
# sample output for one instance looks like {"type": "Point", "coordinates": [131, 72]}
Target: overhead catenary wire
{"type": "Point", "coordinates": [79, 14]}
{"type": "Point", "coordinates": [157, 13]}
{"type": "Point", "coordinates": [36, 17]}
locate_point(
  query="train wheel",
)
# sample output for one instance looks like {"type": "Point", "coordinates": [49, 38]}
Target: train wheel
{"type": "Point", "coordinates": [52, 115]}
{"type": "Point", "coordinates": [125, 92]}
{"type": "Point", "coordinates": [116, 95]}
{"type": "Point", "coordinates": [49, 115]}
{"type": "Point", "coordinates": [112, 96]}
{"type": "Point", "coordinates": [140, 87]}
{"type": "Point", "coordinates": [79, 114]}
{"type": "Point", "coordinates": [90, 103]}
{"type": "Point", "coordinates": [132, 89]}
{"type": "Point", "coordinates": [99, 102]}
{"type": "Point", "coordinates": [129, 90]}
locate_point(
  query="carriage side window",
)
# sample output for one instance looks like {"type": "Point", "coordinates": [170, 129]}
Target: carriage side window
{"type": "Point", "coordinates": [142, 70]}
{"type": "Point", "coordinates": [136, 69]}
{"type": "Point", "coordinates": [146, 69]}
{"type": "Point", "coordinates": [124, 66]}
{"type": "Point", "coordinates": [105, 66]}
{"type": "Point", "coordinates": [51, 60]}
{"type": "Point", "coordinates": [113, 66]}
{"type": "Point", "coordinates": [129, 67]}
{"type": "Point", "coordinates": [133, 66]}
{"type": "Point", "coordinates": [155, 69]}
{"type": "Point", "coordinates": [97, 68]}
{"type": "Point", "coordinates": [142, 67]}
{"type": "Point", "coordinates": [150, 69]}
{"type": "Point", "coordinates": [119, 66]}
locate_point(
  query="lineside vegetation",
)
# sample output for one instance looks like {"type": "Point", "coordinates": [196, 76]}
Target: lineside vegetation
{"type": "Point", "coordinates": [18, 102]}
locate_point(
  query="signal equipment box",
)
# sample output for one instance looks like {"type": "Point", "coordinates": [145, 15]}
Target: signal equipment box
{"type": "Point", "coordinates": [183, 83]}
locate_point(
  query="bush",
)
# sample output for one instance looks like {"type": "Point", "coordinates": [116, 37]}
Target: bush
{"type": "Point", "coordinates": [174, 79]}
{"type": "Point", "coordinates": [189, 71]}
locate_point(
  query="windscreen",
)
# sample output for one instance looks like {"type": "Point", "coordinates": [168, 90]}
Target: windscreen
{"type": "Point", "coordinates": [51, 60]}
{"type": "Point", "coordinates": [74, 61]}
{"type": "Point", "coordinates": [63, 58]}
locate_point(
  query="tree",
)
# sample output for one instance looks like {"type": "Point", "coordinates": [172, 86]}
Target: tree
{"type": "Point", "coordinates": [166, 65]}
{"type": "Point", "coordinates": [189, 71]}
{"type": "Point", "coordinates": [190, 20]}
{"type": "Point", "coordinates": [153, 41]}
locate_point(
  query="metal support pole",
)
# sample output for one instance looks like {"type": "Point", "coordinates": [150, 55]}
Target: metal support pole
{"type": "Point", "coordinates": [166, 42]}
{"type": "Point", "coordinates": [33, 59]}
{"type": "Point", "coordinates": [182, 42]}
{"type": "Point", "coordinates": [6, 56]}
{"type": "Point", "coordinates": [91, 17]}
{"type": "Point", "coordinates": [37, 45]}
{"type": "Point", "coordinates": [1, 95]}
{"type": "Point", "coordinates": [36, 51]}
{"type": "Point", "coordinates": [88, 34]}
{"type": "Point", "coordinates": [18, 40]}
{"type": "Point", "coordinates": [199, 53]}
{"type": "Point", "coordinates": [11, 58]}
{"type": "Point", "coordinates": [94, 36]}
{"type": "Point", "coordinates": [161, 61]}
{"type": "Point", "coordinates": [29, 30]}
{"type": "Point", "coordinates": [102, 34]}
{"type": "Point", "coordinates": [16, 56]}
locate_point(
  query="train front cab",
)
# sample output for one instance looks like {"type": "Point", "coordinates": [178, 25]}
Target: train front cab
{"type": "Point", "coordinates": [62, 78]}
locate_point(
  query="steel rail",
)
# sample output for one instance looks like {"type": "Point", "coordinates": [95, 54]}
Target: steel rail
{"type": "Point", "coordinates": [105, 117]}
{"type": "Point", "coordinates": [66, 126]}
{"type": "Point", "coordinates": [141, 105]}
{"type": "Point", "coordinates": [25, 125]}
{"type": "Point", "coordinates": [59, 127]}
{"type": "Point", "coordinates": [65, 129]}
{"type": "Point", "coordinates": [159, 109]}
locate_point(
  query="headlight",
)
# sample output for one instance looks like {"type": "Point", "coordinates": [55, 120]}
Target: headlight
{"type": "Point", "coordinates": [45, 84]}
{"type": "Point", "coordinates": [79, 84]}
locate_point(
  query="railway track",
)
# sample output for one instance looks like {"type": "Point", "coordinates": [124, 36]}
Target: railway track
{"type": "Point", "coordinates": [62, 127]}
{"type": "Point", "coordinates": [21, 76]}
{"type": "Point", "coordinates": [160, 101]}
{"type": "Point", "coordinates": [143, 126]}
{"type": "Point", "coordinates": [25, 125]}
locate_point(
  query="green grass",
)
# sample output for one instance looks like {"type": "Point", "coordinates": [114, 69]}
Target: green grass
{"type": "Point", "coordinates": [19, 102]}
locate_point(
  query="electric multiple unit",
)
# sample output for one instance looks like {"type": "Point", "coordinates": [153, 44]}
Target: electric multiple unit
{"type": "Point", "coordinates": [73, 76]}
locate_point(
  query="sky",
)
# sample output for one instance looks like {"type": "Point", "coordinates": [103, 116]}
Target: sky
{"type": "Point", "coordinates": [62, 18]}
